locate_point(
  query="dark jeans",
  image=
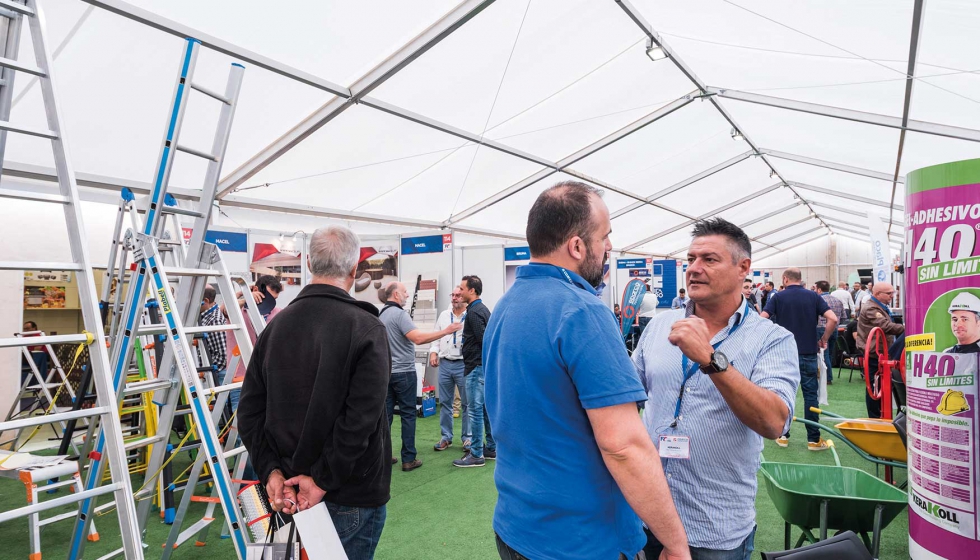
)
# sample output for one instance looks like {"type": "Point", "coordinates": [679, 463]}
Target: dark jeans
{"type": "Point", "coordinates": [810, 384]}
{"type": "Point", "coordinates": [359, 529]}
{"type": "Point", "coordinates": [741, 552]}
{"type": "Point", "coordinates": [508, 553]}
{"type": "Point", "coordinates": [402, 389]}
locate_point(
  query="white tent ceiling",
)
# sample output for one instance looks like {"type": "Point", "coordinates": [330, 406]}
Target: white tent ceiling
{"type": "Point", "coordinates": [458, 115]}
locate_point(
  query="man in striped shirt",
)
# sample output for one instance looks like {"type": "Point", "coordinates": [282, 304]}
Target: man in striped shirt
{"type": "Point", "coordinates": [719, 378]}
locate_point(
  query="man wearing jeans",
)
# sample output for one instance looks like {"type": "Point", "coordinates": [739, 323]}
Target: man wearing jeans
{"type": "Point", "coordinates": [835, 305]}
{"type": "Point", "coordinates": [312, 413]}
{"type": "Point", "coordinates": [483, 446]}
{"type": "Point", "coordinates": [797, 310]}
{"type": "Point", "coordinates": [216, 342]}
{"type": "Point", "coordinates": [403, 335]}
{"type": "Point", "coordinates": [447, 354]}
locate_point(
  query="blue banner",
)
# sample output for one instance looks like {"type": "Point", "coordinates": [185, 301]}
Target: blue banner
{"type": "Point", "coordinates": [632, 299]}
{"type": "Point", "coordinates": [668, 284]}
{"type": "Point", "coordinates": [631, 263]}
{"type": "Point", "coordinates": [228, 241]}
{"type": "Point", "coordinates": [420, 245]}
{"type": "Point", "coordinates": [517, 253]}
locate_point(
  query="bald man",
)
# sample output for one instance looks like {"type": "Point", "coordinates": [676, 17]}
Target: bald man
{"type": "Point", "coordinates": [876, 313]}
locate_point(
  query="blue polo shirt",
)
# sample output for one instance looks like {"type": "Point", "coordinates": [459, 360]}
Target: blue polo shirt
{"type": "Point", "coordinates": [551, 351]}
{"type": "Point", "coordinates": [797, 310]}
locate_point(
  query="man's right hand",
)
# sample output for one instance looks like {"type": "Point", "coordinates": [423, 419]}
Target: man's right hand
{"type": "Point", "coordinates": [434, 360]}
{"type": "Point", "coordinates": [669, 556]}
{"type": "Point", "coordinates": [282, 497]}
{"type": "Point", "coordinates": [454, 327]}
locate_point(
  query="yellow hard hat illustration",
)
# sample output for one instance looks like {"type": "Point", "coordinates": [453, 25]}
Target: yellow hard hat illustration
{"type": "Point", "coordinates": [953, 402]}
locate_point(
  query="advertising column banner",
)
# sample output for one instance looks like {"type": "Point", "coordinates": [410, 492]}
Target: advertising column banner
{"type": "Point", "coordinates": [942, 272]}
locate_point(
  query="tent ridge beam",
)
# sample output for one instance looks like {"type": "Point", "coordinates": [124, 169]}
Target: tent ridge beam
{"type": "Point", "coordinates": [729, 206]}
{"type": "Point", "coordinates": [887, 121]}
{"type": "Point", "coordinates": [756, 220]}
{"type": "Point", "coordinates": [685, 183]}
{"type": "Point", "coordinates": [833, 165]}
{"type": "Point", "coordinates": [849, 211]}
{"type": "Point", "coordinates": [579, 155]}
{"type": "Point", "coordinates": [846, 195]}
{"type": "Point", "coordinates": [438, 31]}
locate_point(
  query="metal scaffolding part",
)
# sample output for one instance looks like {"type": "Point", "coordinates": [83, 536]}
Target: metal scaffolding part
{"type": "Point", "coordinates": [835, 166]}
{"type": "Point", "coordinates": [853, 213]}
{"type": "Point", "coordinates": [848, 196]}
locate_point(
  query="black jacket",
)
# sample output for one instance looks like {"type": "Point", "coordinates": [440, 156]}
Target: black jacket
{"type": "Point", "coordinates": [313, 400]}
{"type": "Point", "coordinates": [477, 317]}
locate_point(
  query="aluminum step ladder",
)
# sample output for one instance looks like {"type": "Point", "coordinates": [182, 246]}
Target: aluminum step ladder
{"type": "Point", "coordinates": [152, 278]}
{"type": "Point", "coordinates": [13, 15]}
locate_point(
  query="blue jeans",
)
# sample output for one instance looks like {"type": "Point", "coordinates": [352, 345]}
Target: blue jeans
{"type": "Point", "coordinates": [828, 353]}
{"type": "Point", "coordinates": [359, 528]}
{"type": "Point", "coordinates": [402, 389]}
{"type": "Point", "coordinates": [475, 397]}
{"type": "Point", "coordinates": [450, 378]}
{"type": "Point", "coordinates": [810, 384]}
{"type": "Point", "coordinates": [740, 552]}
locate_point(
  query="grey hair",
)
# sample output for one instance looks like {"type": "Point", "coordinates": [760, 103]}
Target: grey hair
{"type": "Point", "coordinates": [334, 251]}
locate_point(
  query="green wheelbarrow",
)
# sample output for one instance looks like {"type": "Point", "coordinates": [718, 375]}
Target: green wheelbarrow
{"type": "Point", "coordinates": [832, 498]}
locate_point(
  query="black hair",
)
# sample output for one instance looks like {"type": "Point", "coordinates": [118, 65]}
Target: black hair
{"type": "Point", "coordinates": [741, 247]}
{"type": "Point", "coordinates": [560, 213]}
{"type": "Point", "coordinates": [210, 293]}
{"type": "Point", "coordinates": [474, 283]}
{"type": "Point", "coordinates": [32, 324]}
{"type": "Point", "coordinates": [771, 284]}
{"type": "Point", "coordinates": [268, 281]}
{"type": "Point", "coordinates": [824, 286]}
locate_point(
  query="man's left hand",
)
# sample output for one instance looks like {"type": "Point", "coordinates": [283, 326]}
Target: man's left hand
{"type": "Point", "coordinates": [822, 344]}
{"type": "Point", "coordinates": [309, 493]}
{"type": "Point", "coordinates": [691, 336]}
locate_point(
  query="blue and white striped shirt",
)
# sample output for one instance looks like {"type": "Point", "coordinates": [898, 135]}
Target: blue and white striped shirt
{"type": "Point", "coordinates": [714, 491]}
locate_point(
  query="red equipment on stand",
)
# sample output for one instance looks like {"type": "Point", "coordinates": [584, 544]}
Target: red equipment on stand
{"type": "Point", "coordinates": [879, 385]}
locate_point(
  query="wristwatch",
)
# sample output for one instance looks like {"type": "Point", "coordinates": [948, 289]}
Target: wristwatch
{"type": "Point", "coordinates": [718, 364]}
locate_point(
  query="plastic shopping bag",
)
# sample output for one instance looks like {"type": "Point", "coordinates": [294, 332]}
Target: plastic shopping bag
{"type": "Point", "coordinates": [822, 375]}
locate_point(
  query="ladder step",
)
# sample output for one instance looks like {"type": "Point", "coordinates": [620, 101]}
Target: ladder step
{"type": "Point", "coordinates": [113, 554]}
{"type": "Point", "coordinates": [182, 212]}
{"type": "Point", "coordinates": [211, 93]}
{"type": "Point", "coordinates": [29, 130]}
{"type": "Point", "coordinates": [161, 329]}
{"type": "Point", "coordinates": [144, 442]}
{"type": "Point", "coordinates": [28, 265]}
{"type": "Point", "coordinates": [140, 387]}
{"type": "Point", "coordinates": [179, 271]}
{"type": "Point", "coordinates": [52, 418]}
{"type": "Point", "coordinates": [45, 385]}
{"type": "Point", "coordinates": [15, 65]}
{"type": "Point", "coordinates": [38, 197]}
{"type": "Point", "coordinates": [58, 518]}
{"type": "Point", "coordinates": [234, 452]}
{"type": "Point", "coordinates": [58, 502]}
{"type": "Point", "coordinates": [42, 340]}
{"type": "Point", "coordinates": [197, 153]}
{"type": "Point", "coordinates": [15, 7]}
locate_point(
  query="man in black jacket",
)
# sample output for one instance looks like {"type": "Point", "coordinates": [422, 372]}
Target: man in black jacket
{"type": "Point", "coordinates": [312, 410]}
{"type": "Point", "coordinates": [477, 317]}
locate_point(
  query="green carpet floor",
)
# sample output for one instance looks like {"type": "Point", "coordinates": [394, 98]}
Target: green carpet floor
{"type": "Point", "coordinates": [441, 512]}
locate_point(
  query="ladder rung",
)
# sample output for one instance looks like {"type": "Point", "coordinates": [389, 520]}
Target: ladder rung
{"type": "Point", "coordinates": [53, 485]}
{"type": "Point", "coordinates": [178, 271]}
{"type": "Point", "coordinates": [161, 329]}
{"type": "Point", "coordinates": [197, 153]}
{"type": "Point", "coordinates": [211, 93]}
{"type": "Point", "coordinates": [146, 386]}
{"type": "Point", "coordinates": [39, 197]}
{"type": "Point", "coordinates": [45, 385]}
{"type": "Point", "coordinates": [182, 212]}
{"type": "Point", "coordinates": [143, 442]}
{"type": "Point", "coordinates": [29, 265]}
{"type": "Point", "coordinates": [31, 131]}
{"type": "Point", "coordinates": [52, 418]}
{"type": "Point", "coordinates": [15, 65]}
{"type": "Point", "coordinates": [113, 554]}
{"type": "Point", "coordinates": [58, 502]}
{"type": "Point", "coordinates": [234, 452]}
{"type": "Point", "coordinates": [222, 388]}
{"type": "Point", "coordinates": [19, 8]}
{"type": "Point", "coordinates": [42, 340]}
{"type": "Point", "coordinates": [58, 518]}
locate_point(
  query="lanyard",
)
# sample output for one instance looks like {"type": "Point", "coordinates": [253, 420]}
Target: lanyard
{"type": "Point", "coordinates": [689, 373]}
{"type": "Point", "coordinates": [883, 306]}
{"type": "Point", "coordinates": [461, 319]}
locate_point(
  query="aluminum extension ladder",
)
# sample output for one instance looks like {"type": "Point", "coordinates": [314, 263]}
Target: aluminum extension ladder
{"type": "Point", "coordinates": [12, 17]}
{"type": "Point", "coordinates": [176, 371]}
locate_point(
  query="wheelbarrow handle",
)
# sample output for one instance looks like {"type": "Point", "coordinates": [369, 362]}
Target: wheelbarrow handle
{"type": "Point", "coordinates": [833, 449]}
{"type": "Point", "coordinates": [856, 449]}
{"type": "Point", "coordinates": [825, 412]}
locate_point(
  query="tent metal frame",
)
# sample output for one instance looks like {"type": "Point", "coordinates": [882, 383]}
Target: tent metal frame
{"type": "Point", "coordinates": [468, 9]}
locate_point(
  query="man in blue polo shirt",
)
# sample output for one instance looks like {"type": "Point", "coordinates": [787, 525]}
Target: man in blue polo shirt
{"type": "Point", "coordinates": [574, 461]}
{"type": "Point", "coordinates": [797, 310]}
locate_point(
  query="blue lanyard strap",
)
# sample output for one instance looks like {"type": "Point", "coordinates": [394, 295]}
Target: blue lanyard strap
{"type": "Point", "coordinates": [883, 306]}
{"type": "Point", "coordinates": [461, 319]}
{"type": "Point", "coordinates": [689, 372]}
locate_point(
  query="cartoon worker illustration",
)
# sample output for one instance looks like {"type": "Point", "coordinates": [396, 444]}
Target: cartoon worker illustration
{"type": "Point", "coordinates": [964, 314]}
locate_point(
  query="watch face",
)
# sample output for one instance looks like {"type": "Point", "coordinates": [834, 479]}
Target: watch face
{"type": "Point", "coordinates": [720, 361]}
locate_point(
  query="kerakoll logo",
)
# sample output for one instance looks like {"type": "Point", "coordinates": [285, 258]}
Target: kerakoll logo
{"type": "Point", "coordinates": [935, 510]}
